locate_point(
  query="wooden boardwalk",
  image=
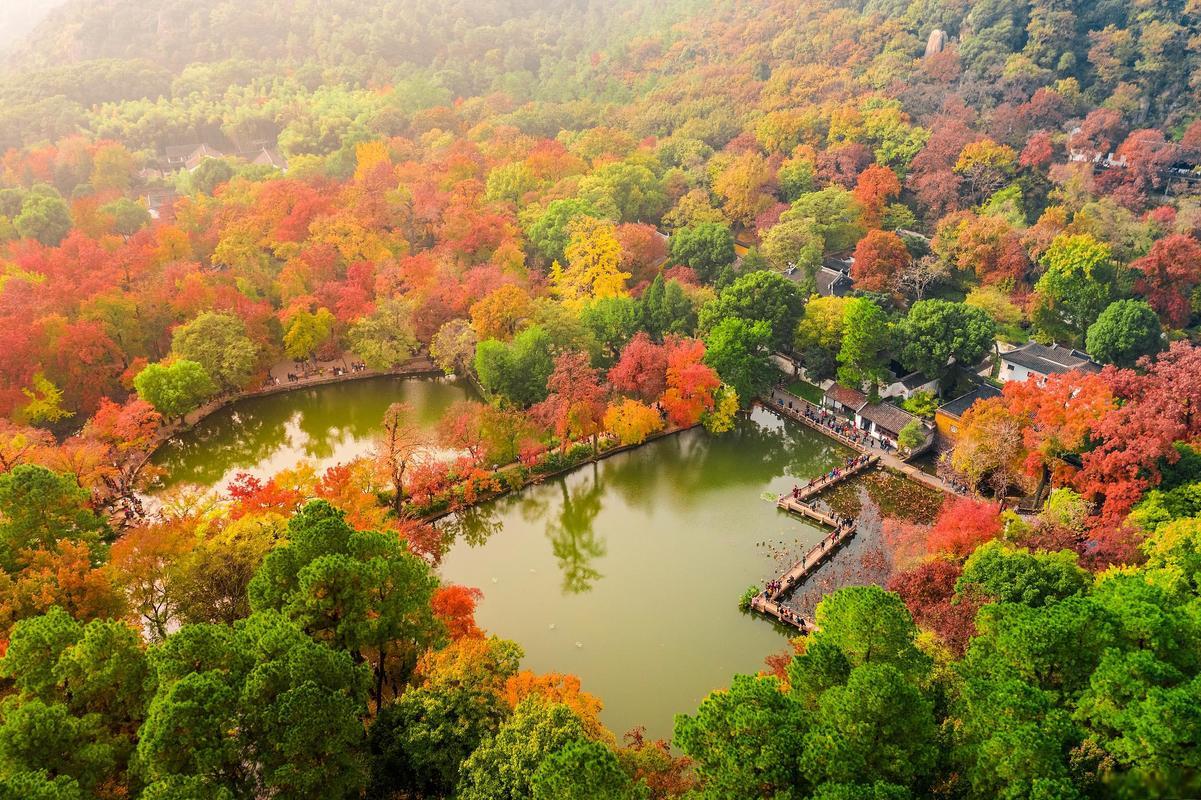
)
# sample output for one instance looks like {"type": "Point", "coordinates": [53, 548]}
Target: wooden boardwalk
{"type": "Point", "coordinates": [797, 414]}
{"type": "Point", "coordinates": [770, 601]}
{"type": "Point", "coordinates": [795, 503]}
{"type": "Point", "coordinates": [781, 613]}
{"type": "Point", "coordinates": [795, 575]}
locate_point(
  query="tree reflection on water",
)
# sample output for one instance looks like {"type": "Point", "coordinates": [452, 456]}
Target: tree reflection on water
{"type": "Point", "coordinates": [572, 534]}
{"type": "Point", "coordinates": [570, 517]}
{"type": "Point", "coordinates": [684, 467]}
{"type": "Point", "coordinates": [474, 525]}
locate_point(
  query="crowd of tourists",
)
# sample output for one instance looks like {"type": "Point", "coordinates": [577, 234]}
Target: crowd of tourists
{"type": "Point", "coordinates": [355, 366]}
{"type": "Point", "coordinates": [305, 372]}
{"type": "Point", "coordinates": [788, 615]}
{"type": "Point", "coordinates": [837, 425]}
{"type": "Point", "coordinates": [850, 465]}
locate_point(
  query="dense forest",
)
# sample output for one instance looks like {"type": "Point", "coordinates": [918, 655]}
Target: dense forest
{"type": "Point", "coordinates": [609, 216]}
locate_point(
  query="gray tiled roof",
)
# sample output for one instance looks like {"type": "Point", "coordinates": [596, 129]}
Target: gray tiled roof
{"type": "Point", "coordinates": [832, 283]}
{"type": "Point", "coordinates": [887, 416]}
{"type": "Point", "coordinates": [959, 405]}
{"type": "Point", "coordinates": [1050, 360]}
{"type": "Point", "coordinates": [914, 380]}
{"type": "Point", "coordinates": [851, 398]}
{"type": "Point", "coordinates": [180, 151]}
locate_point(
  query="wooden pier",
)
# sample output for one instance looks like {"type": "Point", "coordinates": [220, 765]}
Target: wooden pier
{"type": "Point", "coordinates": [768, 602]}
{"type": "Point", "coordinates": [797, 504]}
{"type": "Point", "coordinates": [799, 572]}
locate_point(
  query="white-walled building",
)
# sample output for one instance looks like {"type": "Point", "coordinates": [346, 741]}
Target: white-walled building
{"type": "Point", "coordinates": [1041, 361]}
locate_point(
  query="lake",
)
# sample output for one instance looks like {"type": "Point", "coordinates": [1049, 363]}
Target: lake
{"type": "Point", "coordinates": [324, 425]}
{"type": "Point", "coordinates": [626, 573]}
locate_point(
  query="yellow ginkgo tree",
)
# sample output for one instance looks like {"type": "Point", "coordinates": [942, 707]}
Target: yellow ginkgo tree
{"type": "Point", "coordinates": [592, 271]}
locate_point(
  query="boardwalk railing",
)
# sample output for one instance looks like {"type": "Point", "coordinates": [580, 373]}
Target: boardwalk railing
{"type": "Point", "coordinates": [797, 413]}
{"type": "Point", "coordinates": [768, 602]}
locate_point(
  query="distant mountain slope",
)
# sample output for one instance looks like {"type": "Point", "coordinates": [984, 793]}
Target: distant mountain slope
{"type": "Point", "coordinates": [175, 33]}
{"type": "Point", "coordinates": [19, 17]}
{"type": "Point", "coordinates": [88, 53]}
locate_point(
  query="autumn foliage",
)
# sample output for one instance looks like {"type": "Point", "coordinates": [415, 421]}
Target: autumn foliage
{"type": "Point", "coordinates": [690, 382]}
{"type": "Point", "coordinates": [455, 607]}
{"type": "Point", "coordinates": [962, 525]}
{"type": "Point", "coordinates": [879, 258]}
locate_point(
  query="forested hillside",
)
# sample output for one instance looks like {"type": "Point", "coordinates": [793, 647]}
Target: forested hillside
{"type": "Point", "coordinates": [19, 17]}
{"type": "Point", "coordinates": [615, 220]}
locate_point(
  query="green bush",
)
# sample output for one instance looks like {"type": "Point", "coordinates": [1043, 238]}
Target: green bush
{"type": "Point", "coordinates": [514, 478]}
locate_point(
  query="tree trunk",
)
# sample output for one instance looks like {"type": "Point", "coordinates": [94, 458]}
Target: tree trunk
{"type": "Point", "coordinates": [1043, 478]}
{"type": "Point", "coordinates": [398, 502]}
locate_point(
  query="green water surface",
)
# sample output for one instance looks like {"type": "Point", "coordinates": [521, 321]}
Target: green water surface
{"type": "Point", "coordinates": [324, 425]}
{"type": "Point", "coordinates": [626, 573]}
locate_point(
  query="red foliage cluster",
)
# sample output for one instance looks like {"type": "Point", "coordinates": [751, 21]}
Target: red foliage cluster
{"type": "Point", "coordinates": [690, 382]}
{"type": "Point", "coordinates": [455, 606]}
{"type": "Point", "coordinates": [253, 495]}
{"type": "Point", "coordinates": [928, 590]}
{"type": "Point", "coordinates": [1158, 408]}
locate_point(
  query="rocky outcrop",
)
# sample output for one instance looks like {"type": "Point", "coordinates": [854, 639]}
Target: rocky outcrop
{"type": "Point", "coordinates": [936, 43]}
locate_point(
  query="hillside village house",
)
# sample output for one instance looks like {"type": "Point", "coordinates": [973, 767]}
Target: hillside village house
{"type": "Point", "coordinates": [1031, 360]}
{"type": "Point", "coordinates": [1041, 361]}
{"type": "Point", "coordinates": [191, 156]}
{"type": "Point", "coordinates": [881, 421]}
{"type": "Point", "coordinates": [947, 417]}
{"type": "Point", "coordinates": [833, 280]}
{"type": "Point", "coordinates": [160, 203]}
{"type": "Point", "coordinates": [903, 384]}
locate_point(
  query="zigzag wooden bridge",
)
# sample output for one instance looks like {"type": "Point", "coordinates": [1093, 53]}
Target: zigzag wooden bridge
{"type": "Point", "coordinates": [796, 502]}
{"type": "Point", "coordinates": [768, 602]}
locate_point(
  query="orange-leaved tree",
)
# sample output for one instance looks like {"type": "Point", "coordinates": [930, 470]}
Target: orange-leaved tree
{"type": "Point", "coordinates": [690, 382]}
